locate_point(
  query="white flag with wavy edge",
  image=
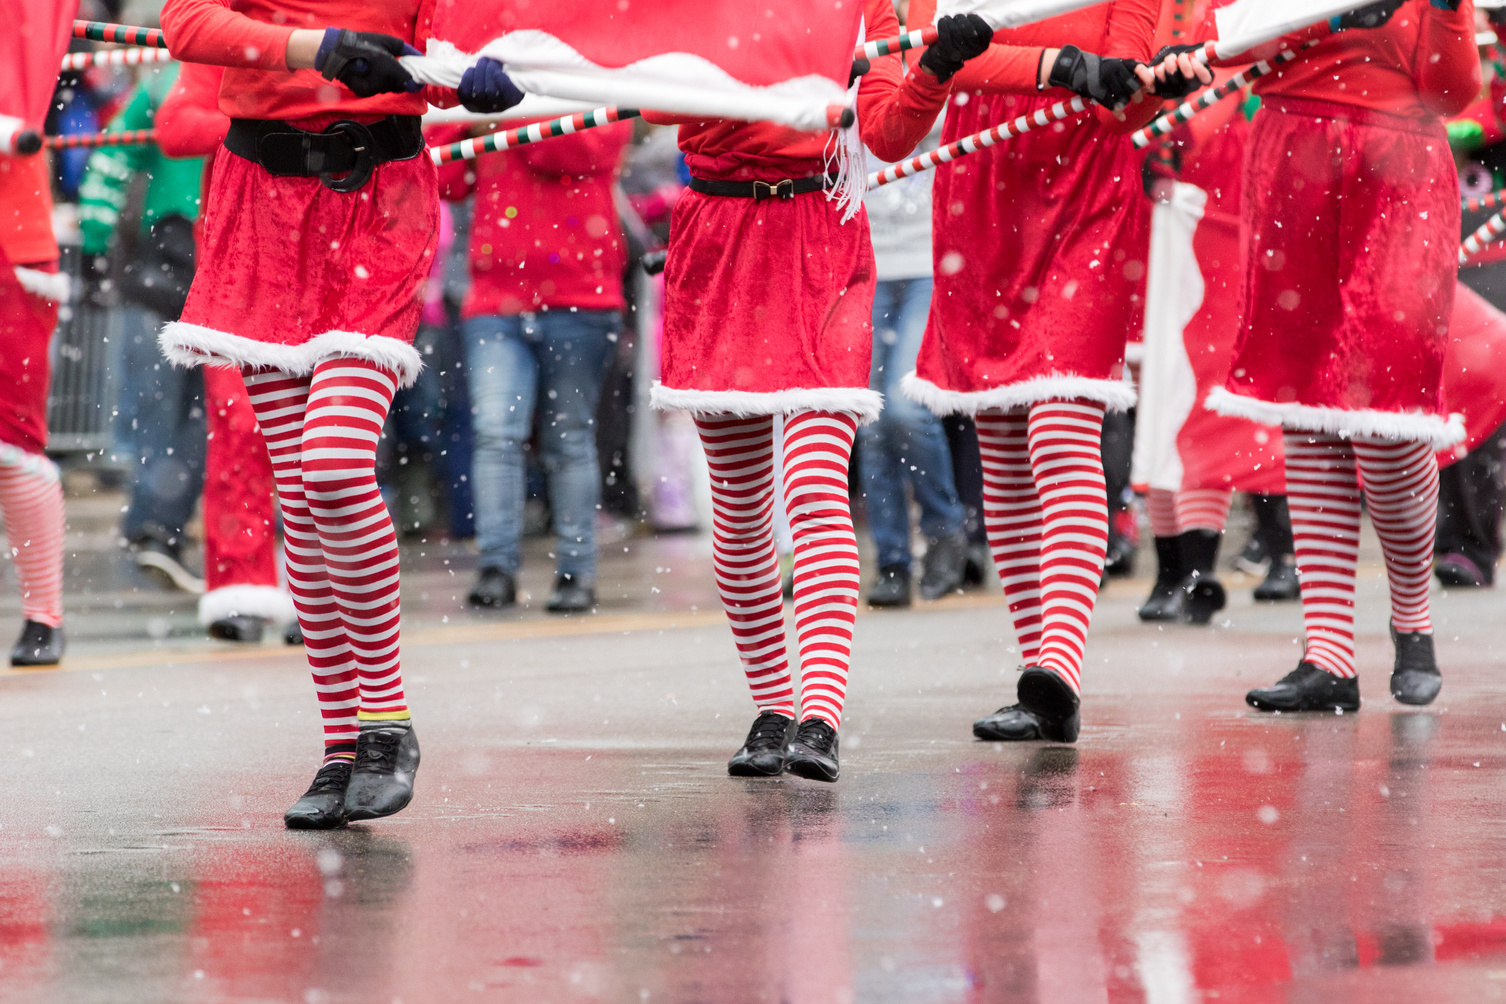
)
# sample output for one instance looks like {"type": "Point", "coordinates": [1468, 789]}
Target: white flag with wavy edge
{"type": "Point", "coordinates": [1012, 13]}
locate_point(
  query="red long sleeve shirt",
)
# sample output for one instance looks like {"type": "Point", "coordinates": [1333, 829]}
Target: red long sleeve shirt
{"type": "Point", "coordinates": [189, 122]}
{"type": "Point", "coordinates": [1420, 64]}
{"type": "Point", "coordinates": [544, 233]}
{"type": "Point", "coordinates": [250, 38]}
{"type": "Point", "coordinates": [1124, 28]}
{"type": "Point", "coordinates": [895, 111]}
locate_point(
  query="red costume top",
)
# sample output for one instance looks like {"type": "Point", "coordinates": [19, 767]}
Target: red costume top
{"type": "Point", "coordinates": [26, 210]}
{"type": "Point", "coordinates": [1351, 217]}
{"type": "Point", "coordinates": [768, 303]}
{"type": "Point", "coordinates": [1039, 242]}
{"type": "Point", "coordinates": [189, 122]}
{"type": "Point", "coordinates": [544, 233]}
{"type": "Point", "coordinates": [292, 273]}
{"type": "Point", "coordinates": [251, 38]}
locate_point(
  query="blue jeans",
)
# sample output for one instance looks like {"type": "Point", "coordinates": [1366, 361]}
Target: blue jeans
{"type": "Point", "coordinates": [162, 423]}
{"type": "Point", "coordinates": [907, 443]}
{"type": "Point", "coordinates": [558, 358]}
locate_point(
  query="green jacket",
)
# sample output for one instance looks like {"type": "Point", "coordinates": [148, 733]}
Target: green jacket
{"type": "Point", "coordinates": [172, 183]}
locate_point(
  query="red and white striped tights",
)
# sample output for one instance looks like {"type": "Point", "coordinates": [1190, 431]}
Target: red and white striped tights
{"type": "Point", "coordinates": [1401, 490]}
{"type": "Point", "coordinates": [31, 503]}
{"type": "Point", "coordinates": [342, 560]}
{"type": "Point", "coordinates": [1174, 513]}
{"type": "Point", "coordinates": [1046, 511]}
{"type": "Point", "coordinates": [817, 451]}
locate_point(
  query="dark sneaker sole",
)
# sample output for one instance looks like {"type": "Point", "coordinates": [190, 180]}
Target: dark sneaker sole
{"type": "Point", "coordinates": [356, 815]}
{"type": "Point", "coordinates": [811, 770]}
{"type": "Point", "coordinates": [748, 770]}
{"type": "Point", "coordinates": [1049, 697]}
{"type": "Point", "coordinates": [306, 823]}
{"type": "Point", "coordinates": [1260, 705]}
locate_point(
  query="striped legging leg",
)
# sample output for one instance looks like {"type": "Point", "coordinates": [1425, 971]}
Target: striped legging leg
{"type": "Point", "coordinates": [817, 453]}
{"type": "Point", "coordinates": [1046, 509]}
{"type": "Point", "coordinates": [31, 503]}
{"type": "Point", "coordinates": [1203, 509]}
{"type": "Point", "coordinates": [1161, 507]}
{"type": "Point", "coordinates": [1401, 489]}
{"type": "Point", "coordinates": [342, 560]}
{"type": "Point", "coordinates": [740, 455]}
{"type": "Point", "coordinates": [1324, 497]}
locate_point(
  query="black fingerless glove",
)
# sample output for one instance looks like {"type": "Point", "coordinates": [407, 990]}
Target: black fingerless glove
{"type": "Point", "coordinates": [1176, 85]}
{"type": "Point", "coordinates": [364, 61]}
{"type": "Point", "coordinates": [1372, 15]}
{"type": "Point", "coordinates": [1108, 80]}
{"type": "Point", "coordinates": [959, 37]}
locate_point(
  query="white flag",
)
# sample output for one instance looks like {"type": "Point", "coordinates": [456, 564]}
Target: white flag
{"type": "Point", "coordinates": [1012, 13]}
{"type": "Point", "coordinates": [1244, 24]}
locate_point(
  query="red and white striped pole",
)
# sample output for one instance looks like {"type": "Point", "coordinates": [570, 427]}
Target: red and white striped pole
{"type": "Point", "coordinates": [1475, 203]}
{"type": "Point", "coordinates": [1207, 99]}
{"type": "Point", "coordinates": [980, 141]}
{"type": "Point", "coordinates": [1475, 242]}
{"type": "Point", "coordinates": [917, 39]}
{"type": "Point", "coordinates": [468, 149]}
{"type": "Point", "coordinates": [115, 57]}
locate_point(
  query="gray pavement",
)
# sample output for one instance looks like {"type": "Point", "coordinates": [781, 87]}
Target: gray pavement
{"type": "Point", "coordinates": [575, 836]}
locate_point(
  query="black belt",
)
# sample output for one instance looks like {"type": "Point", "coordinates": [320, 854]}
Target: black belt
{"type": "Point", "coordinates": [759, 190]}
{"type": "Point", "coordinates": [342, 157]}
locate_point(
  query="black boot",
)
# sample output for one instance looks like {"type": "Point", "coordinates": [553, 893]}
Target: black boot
{"type": "Point", "coordinates": [293, 634]}
{"type": "Point", "coordinates": [1047, 709]}
{"type": "Point", "coordinates": [494, 588]}
{"type": "Point", "coordinates": [944, 567]}
{"type": "Point", "coordinates": [813, 752]}
{"type": "Point", "coordinates": [764, 750]}
{"type": "Point", "coordinates": [1202, 593]}
{"type": "Point", "coordinates": [382, 781]}
{"type": "Point", "coordinates": [1308, 688]}
{"type": "Point", "coordinates": [979, 560]}
{"type": "Point", "coordinates": [238, 627]}
{"type": "Point", "coordinates": [571, 596]}
{"type": "Point", "coordinates": [322, 807]}
{"type": "Point", "coordinates": [1415, 678]}
{"type": "Point", "coordinates": [1280, 585]}
{"type": "Point", "coordinates": [39, 645]}
{"type": "Point", "coordinates": [891, 588]}
{"type": "Point", "coordinates": [1165, 600]}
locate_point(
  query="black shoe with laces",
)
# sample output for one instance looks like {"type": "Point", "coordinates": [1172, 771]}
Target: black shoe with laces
{"type": "Point", "coordinates": [1415, 678]}
{"type": "Point", "coordinates": [813, 752]}
{"type": "Point", "coordinates": [1047, 709]}
{"type": "Point", "coordinates": [1308, 688]}
{"type": "Point", "coordinates": [494, 588]}
{"type": "Point", "coordinates": [570, 596]}
{"type": "Point", "coordinates": [39, 645]}
{"type": "Point", "coordinates": [382, 781]}
{"type": "Point", "coordinates": [891, 588]}
{"type": "Point", "coordinates": [763, 751]}
{"type": "Point", "coordinates": [322, 807]}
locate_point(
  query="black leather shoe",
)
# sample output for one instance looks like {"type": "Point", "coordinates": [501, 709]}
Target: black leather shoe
{"type": "Point", "coordinates": [39, 645]}
{"type": "Point", "coordinates": [494, 588]}
{"type": "Point", "coordinates": [944, 566]}
{"type": "Point", "coordinates": [763, 751]}
{"type": "Point", "coordinates": [1047, 709]}
{"type": "Point", "coordinates": [891, 588]}
{"type": "Point", "coordinates": [322, 807]}
{"type": "Point", "coordinates": [1165, 600]}
{"type": "Point", "coordinates": [570, 596]}
{"type": "Point", "coordinates": [1462, 572]}
{"type": "Point", "coordinates": [1202, 594]}
{"type": "Point", "coordinates": [238, 627]}
{"type": "Point", "coordinates": [382, 781]}
{"type": "Point", "coordinates": [1280, 585]}
{"type": "Point", "coordinates": [1415, 678]}
{"type": "Point", "coordinates": [813, 752]}
{"type": "Point", "coordinates": [1308, 688]}
{"type": "Point", "coordinates": [1119, 558]}
{"type": "Point", "coordinates": [293, 634]}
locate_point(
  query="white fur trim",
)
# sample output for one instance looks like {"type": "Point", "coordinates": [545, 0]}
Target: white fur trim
{"type": "Point", "coordinates": [246, 601]}
{"type": "Point", "coordinates": [1115, 394]}
{"type": "Point", "coordinates": [1411, 426]}
{"type": "Point", "coordinates": [190, 345]}
{"type": "Point", "coordinates": [865, 403]}
{"type": "Point", "coordinates": [52, 286]}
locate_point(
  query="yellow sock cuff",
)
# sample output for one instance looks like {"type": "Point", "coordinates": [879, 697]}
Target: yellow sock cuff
{"type": "Point", "coordinates": [383, 716]}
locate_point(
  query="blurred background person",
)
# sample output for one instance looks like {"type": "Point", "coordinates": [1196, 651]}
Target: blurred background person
{"type": "Point", "coordinates": [161, 419]}
{"type": "Point", "coordinates": [541, 321]}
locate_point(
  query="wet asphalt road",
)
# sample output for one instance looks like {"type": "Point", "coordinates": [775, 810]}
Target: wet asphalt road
{"type": "Point", "coordinates": [575, 836]}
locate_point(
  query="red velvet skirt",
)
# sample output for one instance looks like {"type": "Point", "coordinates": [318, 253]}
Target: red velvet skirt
{"type": "Point", "coordinates": [1351, 221]}
{"type": "Point", "coordinates": [1039, 248]}
{"type": "Point", "coordinates": [27, 320]}
{"type": "Point", "coordinates": [291, 273]}
{"type": "Point", "coordinates": [767, 307]}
